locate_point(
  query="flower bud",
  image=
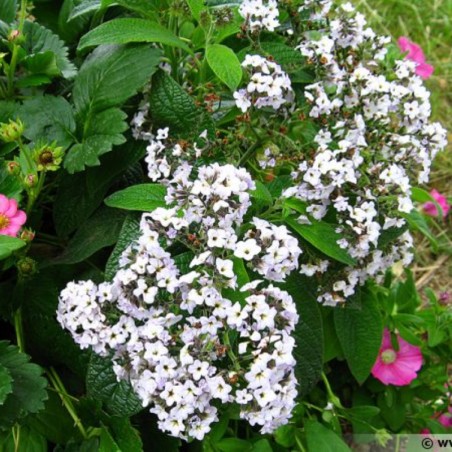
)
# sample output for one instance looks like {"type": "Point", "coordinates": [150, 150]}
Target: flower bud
{"type": "Point", "coordinates": [27, 267]}
{"type": "Point", "coordinates": [30, 180]}
{"type": "Point", "coordinates": [14, 35]}
{"type": "Point", "coordinates": [12, 131]}
{"type": "Point", "coordinates": [13, 168]}
{"type": "Point", "coordinates": [27, 235]}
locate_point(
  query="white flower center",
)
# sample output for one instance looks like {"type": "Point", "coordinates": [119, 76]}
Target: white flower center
{"type": "Point", "coordinates": [388, 356]}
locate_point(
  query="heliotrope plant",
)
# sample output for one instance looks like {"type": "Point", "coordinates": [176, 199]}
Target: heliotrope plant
{"type": "Point", "coordinates": [261, 161]}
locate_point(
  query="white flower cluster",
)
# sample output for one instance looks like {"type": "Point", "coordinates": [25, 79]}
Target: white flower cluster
{"type": "Point", "coordinates": [176, 337]}
{"type": "Point", "coordinates": [260, 14]}
{"type": "Point", "coordinates": [269, 85]}
{"type": "Point", "coordinates": [375, 141]}
{"type": "Point", "coordinates": [165, 154]}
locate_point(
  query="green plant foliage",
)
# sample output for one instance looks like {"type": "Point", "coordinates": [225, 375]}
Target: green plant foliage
{"type": "Point", "coordinates": [145, 198]}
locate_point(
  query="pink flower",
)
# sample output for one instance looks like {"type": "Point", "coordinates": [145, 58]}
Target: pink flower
{"type": "Point", "coordinates": [400, 367]}
{"type": "Point", "coordinates": [11, 219]}
{"type": "Point", "coordinates": [416, 54]}
{"type": "Point", "coordinates": [431, 209]}
{"type": "Point", "coordinates": [446, 418]}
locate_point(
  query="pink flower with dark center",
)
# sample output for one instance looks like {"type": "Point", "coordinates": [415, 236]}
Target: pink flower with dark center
{"type": "Point", "coordinates": [11, 218]}
{"type": "Point", "coordinates": [430, 207]}
{"type": "Point", "coordinates": [416, 54]}
{"type": "Point", "coordinates": [397, 367]}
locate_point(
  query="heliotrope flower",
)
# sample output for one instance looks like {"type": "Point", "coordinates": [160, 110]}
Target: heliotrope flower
{"type": "Point", "coordinates": [430, 207]}
{"type": "Point", "coordinates": [11, 218]}
{"type": "Point", "coordinates": [416, 54]}
{"type": "Point", "coordinates": [397, 367]}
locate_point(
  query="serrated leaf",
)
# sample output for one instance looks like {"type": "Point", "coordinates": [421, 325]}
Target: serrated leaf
{"type": "Point", "coordinates": [6, 381]}
{"type": "Point", "coordinates": [360, 331]}
{"type": "Point", "coordinates": [143, 197]}
{"type": "Point", "coordinates": [308, 332]}
{"type": "Point", "coordinates": [322, 236]}
{"type": "Point", "coordinates": [225, 65]}
{"type": "Point", "coordinates": [261, 194]}
{"type": "Point", "coordinates": [112, 74]}
{"type": "Point", "coordinates": [103, 130]}
{"type": "Point", "coordinates": [172, 107]}
{"type": "Point", "coordinates": [49, 118]}
{"type": "Point", "coordinates": [8, 9]}
{"type": "Point", "coordinates": [83, 8]}
{"type": "Point", "coordinates": [130, 232]}
{"type": "Point", "coordinates": [29, 385]}
{"type": "Point", "coordinates": [127, 30]}
{"type": "Point", "coordinates": [322, 439]}
{"type": "Point", "coordinates": [40, 39]}
{"type": "Point", "coordinates": [196, 8]}
{"type": "Point", "coordinates": [9, 244]}
{"type": "Point", "coordinates": [127, 437]}
{"type": "Point", "coordinates": [42, 63]}
{"type": "Point", "coordinates": [101, 382]}
{"type": "Point", "coordinates": [99, 231]}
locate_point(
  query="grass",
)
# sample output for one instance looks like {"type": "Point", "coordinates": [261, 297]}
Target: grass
{"type": "Point", "coordinates": [428, 23]}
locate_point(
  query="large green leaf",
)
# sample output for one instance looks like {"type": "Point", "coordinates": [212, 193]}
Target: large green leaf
{"type": "Point", "coordinates": [27, 440]}
{"type": "Point", "coordinates": [8, 245]}
{"type": "Point", "coordinates": [99, 231]}
{"type": "Point", "coordinates": [126, 30]}
{"type": "Point", "coordinates": [40, 39]}
{"type": "Point", "coordinates": [29, 386]}
{"type": "Point", "coordinates": [101, 382]}
{"type": "Point", "coordinates": [78, 196]}
{"type": "Point", "coordinates": [172, 107]}
{"type": "Point", "coordinates": [322, 439]}
{"type": "Point", "coordinates": [144, 198]}
{"type": "Point", "coordinates": [225, 65]}
{"type": "Point", "coordinates": [6, 381]}
{"type": "Point", "coordinates": [49, 118]}
{"type": "Point", "coordinates": [8, 10]}
{"type": "Point", "coordinates": [129, 233]}
{"type": "Point", "coordinates": [360, 329]}
{"type": "Point", "coordinates": [322, 236]}
{"type": "Point", "coordinates": [102, 131]}
{"type": "Point", "coordinates": [308, 332]}
{"type": "Point", "coordinates": [108, 77]}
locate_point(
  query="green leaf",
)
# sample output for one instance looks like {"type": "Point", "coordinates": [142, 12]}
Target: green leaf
{"type": "Point", "coordinates": [125, 30]}
{"type": "Point", "coordinates": [360, 331]}
{"type": "Point", "coordinates": [126, 437]}
{"type": "Point", "coordinates": [8, 9]}
{"type": "Point", "coordinates": [262, 195]}
{"type": "Point", "coordinates": [103, 130]}
{"type": "Point", "coordinates": [308, 332]}
{"type": "Point", "coordinates": [48, 118]}
{"type": "Point", "coordinates": [144, 198]}
{"type": "Point", "coordinates": [28, 440]}
{"type": "Point", "coordinates": [42, 63]}
{"type": "Point", "coordinates": [108, 77]}
{"type": "Point", "coordinates": [107, 443]}
{"type": "Point", "coordinates": [196, 8]}
{"type": "Point", "coordinates": [130, 232]}
{"type": "Point", "coordinates": [28, 384]}
{"type": "Point", "coordinates": [78, 196]}
{"type": "Point", "coordinates": [5, 383]}
{"type": "Point", "coordinates": [233, 445]}
{"type": "Point", "coordinates": [225, 65]}
{"type": "Point", "coordinates": [83, 8]}
{"type": "Point", "coordinates": [242, 279]}
{"type": "Point", "coordinates": [417, 222]}
{"type": "Point", "coordinates": [322, 439]}
{"type": "Point", "coordinates": [101, 382]}
{"type": "Point", "coordinates": [54, 421]}
{"type": "Point", "coordinates": [8, 245]}
{"type": "Point", "coordinates": [363, 412]}
{"type": "Point", "coordinates": [422, 196]}
{"type": "Point", "coordinates": [285, 435]}
{"type": "Point", "coordinates": [99, 231]}
{"type": "Point", "coordinates": [262, 445]}
{"type": "Point", "coordinates": [40, 39]}
{"type": "Point", "coordinates": [322, 236]}
{"type": "Point", "coordinates": [172, 107]}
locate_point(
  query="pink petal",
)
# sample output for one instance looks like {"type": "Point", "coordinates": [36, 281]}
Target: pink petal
{"type": "Point", "coordinates": [430, 209]}
{"type": "Point", "coordinates": [4, 203]}
{"type": "Point", "coordinates": [10, 230]}
{"type": "Point", "coordinates": [20, 218]}
{"type": "Point", "coordinates": [424, 70]}
{"type": "Point", "coordinates": [12, 209]}
{"type": "Point", "coordinates": [403, 43]}
{"type": "Point", "coordinates": [384, 373]}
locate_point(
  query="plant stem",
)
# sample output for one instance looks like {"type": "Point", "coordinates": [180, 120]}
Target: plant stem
{"type": "Point", "coordinates": [19, 329]}
{"type": "Point", "coordinates": [15, 55]}
{"type": "Point", "coordinates": [66, 399]}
